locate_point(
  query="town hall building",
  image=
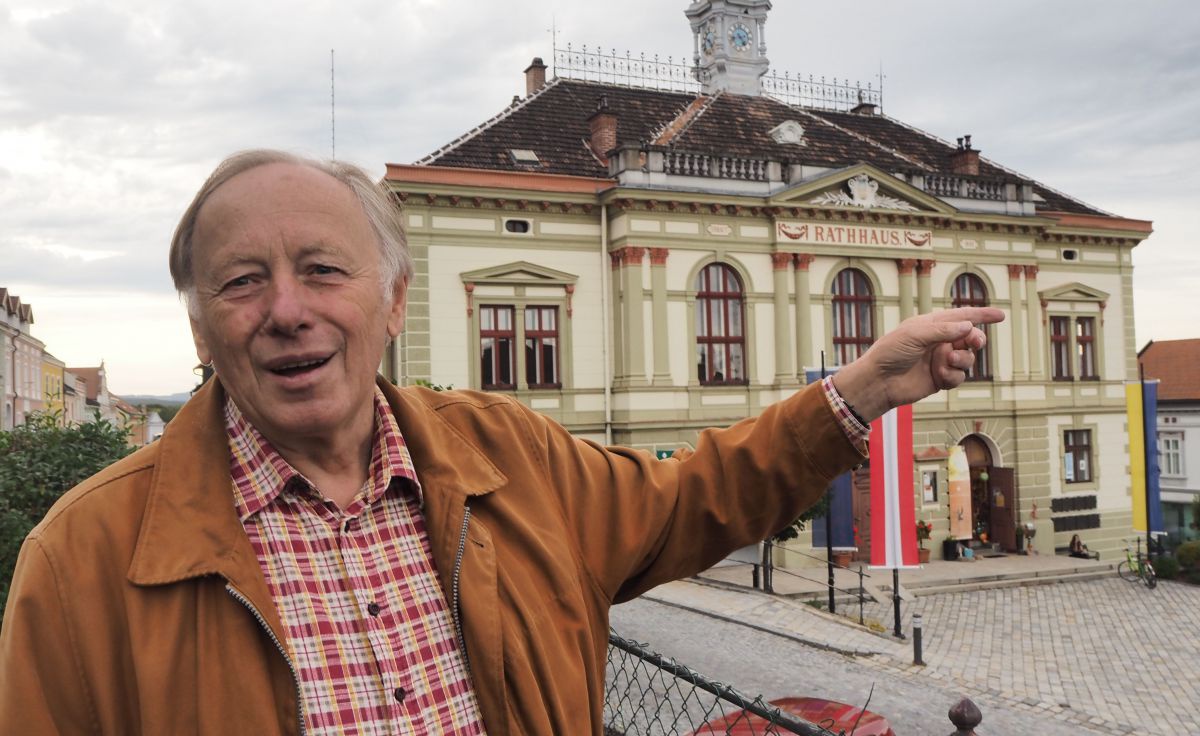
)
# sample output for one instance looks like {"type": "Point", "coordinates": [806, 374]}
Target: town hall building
{"type": "Point", "coordinates": [646, 252]}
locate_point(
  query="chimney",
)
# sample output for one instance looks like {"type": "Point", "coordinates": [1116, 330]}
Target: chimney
{"type": "Point", "coordinates": [535, 76]}
{"type": "Point", "coordinates": [966, 159]}
{"type": "Point", "coordinates": [603, 125]}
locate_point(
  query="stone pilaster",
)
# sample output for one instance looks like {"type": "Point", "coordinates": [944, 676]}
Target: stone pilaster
{"type": "Point", "coordinates": [924, 292]}
{"type": "Point", "coordinates": [1033, 306]}
{"type": "Point", "coordinates": [801, 262]}
{"type": "Point", "coordinates": [634, 316]}
{"type": "Point", "coordinates": [1020, 367]}
{"type": "Point", "coordinates": [618, 310]}
{"type": "Point", "coordinates": [658, 296]}
{"type": "Point", "coordinates": [904, 267]}
{"type": "Point", "coordinates": [781, 262]}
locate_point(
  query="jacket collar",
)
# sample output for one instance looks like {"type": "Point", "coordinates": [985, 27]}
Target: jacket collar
{"type": "Point", "coordinates": [190, 527]}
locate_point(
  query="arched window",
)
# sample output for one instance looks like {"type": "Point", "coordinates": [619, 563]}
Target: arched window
{"type": "Point", "coordinates": [853, 320]}
{"type": "Point", "coordinates": [968, 291]}
{"type": "Point", "coordinates": [720, 332]}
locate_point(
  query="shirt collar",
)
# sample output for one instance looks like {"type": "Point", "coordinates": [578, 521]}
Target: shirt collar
{"type": "Point", "coordinates": [260, 474]}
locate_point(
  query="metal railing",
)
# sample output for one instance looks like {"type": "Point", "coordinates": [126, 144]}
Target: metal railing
{"type": "Point", "coordinates": [648, 694]}
{"type": "Point", "coordinates": [810, 91]}
{"type": "Point", "coordinates": [858, 593]}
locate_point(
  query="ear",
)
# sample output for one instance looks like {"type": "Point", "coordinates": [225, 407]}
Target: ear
{"type": "Point", "coordinates": [395, 321]}
{"type": "Point", "coordinates": [202, 351]}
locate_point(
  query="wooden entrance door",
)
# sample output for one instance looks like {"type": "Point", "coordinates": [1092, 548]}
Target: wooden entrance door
{"type": "Point", "coordinates": [1003, 501]}
{"type": "Point", "coordinates": [860, 481]}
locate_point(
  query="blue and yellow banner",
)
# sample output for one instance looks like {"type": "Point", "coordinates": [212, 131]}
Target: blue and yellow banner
{"type": "Point", "coordinates": [1141, 406]}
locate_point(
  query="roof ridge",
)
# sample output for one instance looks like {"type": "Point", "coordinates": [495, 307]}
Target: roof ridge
{"type": "Point", "coordinates": [686, 118]}
{"type": "Point", "coordinates": [864, 138]}
{"type": "Point", "coordinates": [503, 114]}
{"type": "Point", "coordinates": [1003, 168]}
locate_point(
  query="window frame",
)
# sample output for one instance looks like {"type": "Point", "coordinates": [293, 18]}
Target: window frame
{"type": "Point", "coordinates": [496, 334]}
{"type": "Point", "coordinates": [1060, 348]}
{"type": "Point", "coordinates": [1076, 450]}
{"type": "Point", "coordinates": [730, 302]}
{"type": "Point", "coordinates": [1085, 349]}
{"type": "Point", "coordinates": [1165, 454]}
{"type": "Point", "coordinates": [982, 369]}
{"type": "Point", "coordinates": [538, 337]}
{"type": "Point", "coordinates": [856, 306]}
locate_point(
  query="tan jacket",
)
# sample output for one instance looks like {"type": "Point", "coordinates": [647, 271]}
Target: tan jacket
{"type": "Point", "coordinates": [138, 605]}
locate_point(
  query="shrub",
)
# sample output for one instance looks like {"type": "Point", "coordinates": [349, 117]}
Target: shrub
{"type": "Point", "coordinates": [1188, 555]}
{"type": "Point", "coordinates": [39, 461]}
{"type": "Point", "coordinates": [1167, 568]}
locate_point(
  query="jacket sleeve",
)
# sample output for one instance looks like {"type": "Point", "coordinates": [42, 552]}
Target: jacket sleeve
{"type": "Point", "coordinates": [640, 521]}
{"type": "Point", "coordinates": [41, 688]}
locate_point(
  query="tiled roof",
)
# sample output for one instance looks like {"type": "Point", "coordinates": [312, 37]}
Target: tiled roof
{"type": "Point", "coordinates": [92, 377]}
{"type": "Point", "coordinates": [554, 124]}
{"type": "Point", "coordinates": [1173, 363]}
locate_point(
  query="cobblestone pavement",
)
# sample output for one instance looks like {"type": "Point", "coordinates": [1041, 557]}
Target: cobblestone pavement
{"type": "Point", "coordinates": [1105, 655]}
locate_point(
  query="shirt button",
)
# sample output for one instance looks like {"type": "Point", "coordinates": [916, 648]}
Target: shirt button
{"type": "Point", "coordinates": [399, 694]}
{"type": "Point", "coordinates": [373, 608]}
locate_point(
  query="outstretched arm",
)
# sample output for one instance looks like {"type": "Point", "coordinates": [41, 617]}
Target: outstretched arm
{"type": "Point", "coordinates": [925, 354]}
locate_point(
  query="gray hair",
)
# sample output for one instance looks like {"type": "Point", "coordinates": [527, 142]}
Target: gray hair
{"type": "Point", "coordinates": [382, 213]}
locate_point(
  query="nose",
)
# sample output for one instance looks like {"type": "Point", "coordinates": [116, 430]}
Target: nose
{"type": "Point", "coordinates": [287, 308]}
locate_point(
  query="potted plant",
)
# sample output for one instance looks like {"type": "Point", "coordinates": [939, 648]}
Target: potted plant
{"type": "Point", "coordinates": [924, 530]}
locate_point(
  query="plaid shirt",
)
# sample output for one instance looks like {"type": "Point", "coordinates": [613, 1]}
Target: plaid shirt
{"type": "Point", "coordinates": [856, 431]}
{"type": "Point", "coordinates": [366, 622]}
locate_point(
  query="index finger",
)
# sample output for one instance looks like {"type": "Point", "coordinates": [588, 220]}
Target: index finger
{"type": "Point", "coordinates": [974, 315]}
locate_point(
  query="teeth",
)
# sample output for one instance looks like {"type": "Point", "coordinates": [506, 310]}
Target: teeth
{"type": "Point", "coordinates": [294, 366]}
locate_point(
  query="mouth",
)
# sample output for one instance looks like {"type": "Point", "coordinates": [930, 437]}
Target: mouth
{"type": "Point", "coordinates": [291, 368]}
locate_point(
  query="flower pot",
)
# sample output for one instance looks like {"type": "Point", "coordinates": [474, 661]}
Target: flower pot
{"type": "Point", "coordinates": [923, 555]}
{"type": "Point", "coordinates": [843, 557]}
{"type": "Point", "coordinates": [949, 549]}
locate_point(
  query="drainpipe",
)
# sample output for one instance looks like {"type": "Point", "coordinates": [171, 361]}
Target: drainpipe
{"type": "Point", "coordinates": [606, 344]}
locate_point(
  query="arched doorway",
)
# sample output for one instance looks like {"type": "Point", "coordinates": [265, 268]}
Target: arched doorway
{"type": "Point", "coordinates": [993, 496]}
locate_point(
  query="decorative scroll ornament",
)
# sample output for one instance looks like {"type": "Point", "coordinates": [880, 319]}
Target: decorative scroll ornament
{"type": "Point", "coordinates": [864, 192]}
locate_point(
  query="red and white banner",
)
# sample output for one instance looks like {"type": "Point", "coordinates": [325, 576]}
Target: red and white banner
{"type": "Point", "coordinates": [893, 518]}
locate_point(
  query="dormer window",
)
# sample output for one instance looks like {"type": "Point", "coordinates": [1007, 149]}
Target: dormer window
{"type": "Point", "coordinates": [525, 156]}
{"type": "Point", "coordinates": [789, 133]}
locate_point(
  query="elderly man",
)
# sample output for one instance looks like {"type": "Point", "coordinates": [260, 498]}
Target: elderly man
{"type": "Point", "coordinates": [310, 550]}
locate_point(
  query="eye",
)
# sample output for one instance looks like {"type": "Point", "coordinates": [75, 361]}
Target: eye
{"type": "Point", "coordinates": [321, 269]}
{"type": "Point", "coordinates": [237, 282]}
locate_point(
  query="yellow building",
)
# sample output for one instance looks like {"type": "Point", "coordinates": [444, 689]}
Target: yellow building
{"type": "Point", "coordinates": [53, 385]}
{"type": "Point", "coordinates": [643, 257]}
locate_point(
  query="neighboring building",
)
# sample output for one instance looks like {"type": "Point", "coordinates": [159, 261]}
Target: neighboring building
{"type": "Point", "coordinates": [1174, 363]}
{"type": "Point", "coordinates": [97, 397]}
{"type": "Point", "coordinates": [74, 398]}
{"type": "Point", "coordinates": [641, 263]}
{"type": "Point", "coordinates": [53, 384]}
{"type": "Point", "coordinates": [22, 360]}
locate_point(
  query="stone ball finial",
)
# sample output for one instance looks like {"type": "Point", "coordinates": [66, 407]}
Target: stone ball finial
{"type": "Point", "coordinates": [965, 716]}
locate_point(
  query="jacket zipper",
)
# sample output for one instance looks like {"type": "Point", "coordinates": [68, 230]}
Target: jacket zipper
{"type": "Point", "coordinates": [455, 604]}
{"type": "Point", "coordinates": [278, 645]}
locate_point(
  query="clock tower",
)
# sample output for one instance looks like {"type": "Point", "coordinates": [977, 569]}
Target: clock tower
{"type": "Point", "coordinates": [731, 48]}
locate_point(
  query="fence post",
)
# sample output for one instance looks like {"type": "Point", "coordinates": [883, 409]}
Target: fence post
{"type": "Point", "coordinates": [965, 716]}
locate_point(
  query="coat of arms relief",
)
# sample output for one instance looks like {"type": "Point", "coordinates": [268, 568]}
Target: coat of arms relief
{"type": "Point", "coordinates": [863, 192]}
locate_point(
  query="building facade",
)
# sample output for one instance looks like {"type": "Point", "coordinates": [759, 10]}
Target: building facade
{"type": "Point", "coordinates": [642, 263]}
{"type": "Point", "coordinates": [22, 360]}
{"type": "Point", "coordinates": [1173, 363]}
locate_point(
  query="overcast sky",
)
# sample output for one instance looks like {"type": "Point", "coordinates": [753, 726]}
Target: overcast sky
{"type": "Point", "coordinates": [111, 115]}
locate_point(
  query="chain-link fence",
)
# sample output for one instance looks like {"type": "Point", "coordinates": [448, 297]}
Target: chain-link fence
{"type": "Point", "coordinates": [647, 694]}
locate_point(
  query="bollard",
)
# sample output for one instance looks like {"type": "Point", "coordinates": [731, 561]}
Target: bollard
{"type": "Point", "coordinates": [916, 634]}
{"type": "Point", "coordinates": [965, 716]}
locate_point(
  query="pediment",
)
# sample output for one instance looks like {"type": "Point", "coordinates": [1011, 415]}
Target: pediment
{"type": "Point", "coordinates": [1073, 292]}
{"type": "Point", "coordinates": [861, 187]}
{"type": "Point", "coordinates": [521, 273]}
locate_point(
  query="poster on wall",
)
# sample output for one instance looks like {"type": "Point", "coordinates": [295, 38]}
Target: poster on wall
{"type": "Point", "coordinates": [959, 476]}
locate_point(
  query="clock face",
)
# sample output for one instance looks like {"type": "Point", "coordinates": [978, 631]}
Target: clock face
{"type": "Point", "coordinates": [739, 36]}
{"type": "Point", "coordinates": [708, 39]}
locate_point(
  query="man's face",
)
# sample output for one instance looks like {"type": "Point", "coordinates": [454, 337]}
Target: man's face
{"type": "Point", "coordinates": [289, 303]}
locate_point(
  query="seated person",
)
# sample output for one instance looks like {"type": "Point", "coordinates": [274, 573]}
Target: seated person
{"type": "Point", "coordinates": [1078, 548]}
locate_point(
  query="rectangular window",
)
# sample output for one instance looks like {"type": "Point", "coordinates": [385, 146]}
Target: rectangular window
{"type": "Point", "coordinates": [1171, 447]}
{"type": "Point", "coordinates": [1077, 455]}
{"type": "Point", "coordinates": [496, 341]}
{"type": "Point", "coordinates": [1060, 348]}
{"type": "Point", "coordinates": [1085, 346]}
{"type": "Point", "coordinates": [541, 347]}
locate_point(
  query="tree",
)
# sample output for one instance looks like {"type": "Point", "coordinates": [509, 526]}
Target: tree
{"type": "Point", "coordinates": [39, 461]}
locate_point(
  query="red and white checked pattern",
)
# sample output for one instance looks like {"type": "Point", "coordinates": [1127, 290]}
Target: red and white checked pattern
{"type": "Point", "coordinates": [365, 619]}
{"type": "Point", "coordinates": [854, 429]}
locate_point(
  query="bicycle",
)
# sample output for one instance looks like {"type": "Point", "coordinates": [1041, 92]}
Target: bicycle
{"type": "Point", "coordinates": [1135, 567]}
